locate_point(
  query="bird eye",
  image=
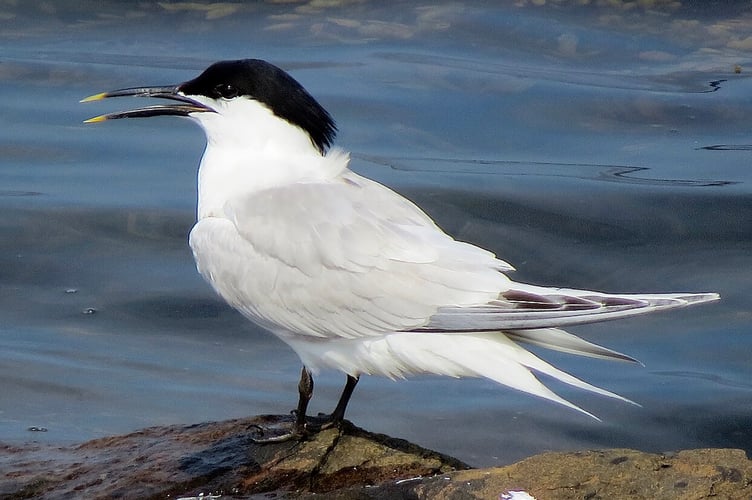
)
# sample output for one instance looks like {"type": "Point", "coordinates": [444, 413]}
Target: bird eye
{"type": "Point", "coordinates": [226, 91]}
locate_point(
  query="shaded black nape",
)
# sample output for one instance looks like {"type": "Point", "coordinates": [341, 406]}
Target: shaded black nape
{"type": "Point", "coordinates": [270, 85]}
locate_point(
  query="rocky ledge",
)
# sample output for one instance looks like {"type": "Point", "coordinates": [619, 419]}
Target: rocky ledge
{"type": "Point", "coordinates": [222, 460]}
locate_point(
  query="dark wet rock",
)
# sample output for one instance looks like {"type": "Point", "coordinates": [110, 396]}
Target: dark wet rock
{"type": "Point", "coordinates": [216, 458]}
{"type": "Point", "coordinates": [222, 459]}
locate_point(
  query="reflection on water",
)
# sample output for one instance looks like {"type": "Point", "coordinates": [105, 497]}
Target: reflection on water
{"type": "Point", "coordinates": [728, 147]}
{"type": "Point", "coordinates": [716, 379]}
{"type": "Point", "coordinates": [606, 173]}
{"type": "Point", "coordinates": [599, 147]}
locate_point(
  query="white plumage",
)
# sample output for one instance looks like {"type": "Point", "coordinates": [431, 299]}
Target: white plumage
{"type": "Point", "coordinates": [349, 273]}
{"type": "Point", "coordinates": [357, 278]}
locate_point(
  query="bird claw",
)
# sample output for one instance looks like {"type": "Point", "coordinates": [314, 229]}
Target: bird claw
{"type": "Point", "coordinates": [270, 434]}
{"type": "Point", "coordinates": [325, 421]}
{"type": "Point", "coordinates": [296, 432]}
{"type": "Point", "coordinates": [292, 435]}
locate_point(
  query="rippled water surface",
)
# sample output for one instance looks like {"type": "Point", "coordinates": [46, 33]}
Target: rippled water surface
{"type": "Point", "coordinates": [595, 147]}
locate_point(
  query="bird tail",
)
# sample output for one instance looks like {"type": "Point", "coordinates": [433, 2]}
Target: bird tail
{"type": "Point", "coordinates": [496, 356]}
{"type": "Point", "coordinates": [484, 341]}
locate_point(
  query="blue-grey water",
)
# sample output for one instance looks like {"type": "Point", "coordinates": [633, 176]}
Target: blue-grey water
{"type": "Point", "coordinates": [597, 147]}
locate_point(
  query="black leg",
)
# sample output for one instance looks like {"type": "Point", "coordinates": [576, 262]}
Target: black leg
{"type": "Point", "coordinates": [339, 412]}
{"type": "Point", "coordinates": [301, 428]}
{"type": "Point", "coordinates": [305, 392]}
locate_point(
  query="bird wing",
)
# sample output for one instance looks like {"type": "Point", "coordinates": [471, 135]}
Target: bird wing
{"type": "Point", "coordinates": [343, 258]}
{"type": "Point", "coordinates": [525, 307]}
{"type": "Point", "coordinates": [351, 258]}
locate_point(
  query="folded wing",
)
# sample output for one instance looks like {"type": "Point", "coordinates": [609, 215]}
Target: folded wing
{"type": "Point", "coordinates": [346, 258]}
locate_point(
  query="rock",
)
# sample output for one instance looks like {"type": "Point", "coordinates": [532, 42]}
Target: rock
{"type": "Point", "coordinates": [608, 474]}
{"type": "Point", "coordinates": [221, 458]}
{"type": "Point", "coordinates": [213, 458]}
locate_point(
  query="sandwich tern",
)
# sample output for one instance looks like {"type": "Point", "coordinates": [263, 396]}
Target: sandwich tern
{"type": "Point", "coordinates": [350, 274]}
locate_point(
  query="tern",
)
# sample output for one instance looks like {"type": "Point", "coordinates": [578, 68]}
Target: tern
{"type": "Point", "coordinates": [350, 274]}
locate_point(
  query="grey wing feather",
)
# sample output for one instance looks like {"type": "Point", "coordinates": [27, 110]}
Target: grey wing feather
{"type": "Point", "coordinates": [347, 258]}
{"type": "Point", "coordinates": [525, 307]}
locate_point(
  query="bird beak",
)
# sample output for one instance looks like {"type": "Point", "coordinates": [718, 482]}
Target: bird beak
{"type": "Point", "coordinates": [187, 107]}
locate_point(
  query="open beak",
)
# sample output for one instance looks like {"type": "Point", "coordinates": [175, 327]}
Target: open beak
{"type": "Point", "coordinates": [186, 107]}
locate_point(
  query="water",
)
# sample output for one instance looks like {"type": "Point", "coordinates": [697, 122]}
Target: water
{"type": "Point", "coordinates": [605, 148]}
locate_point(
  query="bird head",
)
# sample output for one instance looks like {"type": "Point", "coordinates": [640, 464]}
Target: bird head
{"type": "Point", "coordinates": [242, 103]}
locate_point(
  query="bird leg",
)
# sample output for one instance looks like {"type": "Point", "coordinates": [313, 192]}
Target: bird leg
{"type": "Point", "coordinates": [301, 427]}
{"type": "Point", "coordinates": [339, 412]}
{"type": "Point", "coordinates": [305, 392]}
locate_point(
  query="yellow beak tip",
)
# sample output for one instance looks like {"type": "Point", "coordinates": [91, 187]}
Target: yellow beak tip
{"type": "Point", "coordinates": [95, 97]}
{"type": "Point", "coordinates": [96, 119]}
